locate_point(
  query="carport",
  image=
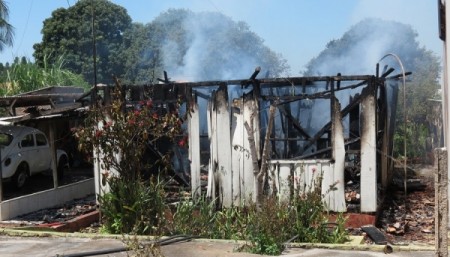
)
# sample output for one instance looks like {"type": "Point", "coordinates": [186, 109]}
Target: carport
{"type": "Point", "coordinates": [53, 110]}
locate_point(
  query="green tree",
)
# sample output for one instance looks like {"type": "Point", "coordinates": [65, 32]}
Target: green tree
{"type": "Point", "coordinates": [68, 32]}
{"type": "Point", "coordinates": [6, 29]}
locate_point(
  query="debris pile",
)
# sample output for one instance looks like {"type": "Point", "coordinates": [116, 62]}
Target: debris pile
{"type": "Point", "coordinates": [59, 214]}
{"type": "Point", "coordinates": [410, 218]}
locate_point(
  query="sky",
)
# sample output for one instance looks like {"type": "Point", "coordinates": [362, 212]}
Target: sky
{"type": "Point", "coordinates": [297, 29]}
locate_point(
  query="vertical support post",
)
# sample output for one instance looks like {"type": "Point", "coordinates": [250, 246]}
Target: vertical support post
{"type": "Point", "coordinates": [212, 169]}
{"type": "Point", "coordinates": [441, 203]}
{"type": "Point", "coordinates": [265, 157]}
{"type": "Point", "coordinates": [368, 152]}
{"type": "Point", "coordinates": [223, 133]}
{"type": "Point", "coordinates": [250, 135]}
{"type": "Point", "coordinates": [97, 178]}
{"type": "Point", "coordinates": [333, 188]}
{"type": "Point", "coordinates": [53, 151]}
{"type": "Point", "coordinates": [194, 147]}
{"type": "Point", "coordinates": [446, 71]}
{"type": "Point", "coordinates": [237, 150]}
{"type": "Point", "coordinates": [1, 181]}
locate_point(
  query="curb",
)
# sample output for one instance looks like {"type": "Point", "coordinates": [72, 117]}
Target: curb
{"type": "Point", "coordinates": [356, 243]}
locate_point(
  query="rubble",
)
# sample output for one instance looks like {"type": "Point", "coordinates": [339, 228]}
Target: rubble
{"type": "Point", "coordinates": [411, 218]}
{"type": "Point", "coordinates": [58, 214]}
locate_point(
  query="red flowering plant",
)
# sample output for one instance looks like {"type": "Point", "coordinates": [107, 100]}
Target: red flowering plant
{"type": "Point", "coordinates": [122, 132]}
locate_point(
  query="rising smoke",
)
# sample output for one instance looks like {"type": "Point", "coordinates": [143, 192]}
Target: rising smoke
{"type": "Point", "coordinates": [362, 47]}
{"type": "Point", "coordinates": [214, 47]}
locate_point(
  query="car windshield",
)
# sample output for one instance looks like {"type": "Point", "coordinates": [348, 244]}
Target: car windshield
{"type": "Point", "coordinates": [5, 139]}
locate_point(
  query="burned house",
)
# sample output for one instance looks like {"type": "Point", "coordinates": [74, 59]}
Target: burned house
{"type": "Point", "coordinates": [282, 136]}
{"type": "Point", "coordinates": [251, 137]}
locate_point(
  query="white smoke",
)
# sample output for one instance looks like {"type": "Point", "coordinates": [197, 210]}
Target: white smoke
{"type": "Point", "coordinates": [362, 47]}
{"type": "Point", "coordinates": [216, 49]}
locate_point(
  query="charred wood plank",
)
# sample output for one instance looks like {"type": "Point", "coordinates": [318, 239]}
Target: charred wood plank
{"type": "Point", "coordinates": [386, 73]}
{"type": "Point", "coordinates": [399, 75]}
{"type": "Point", "coordinates": [375, 234]}
{"type": "Point", "coordinates": [253, 152]}
{"type": "Point", "coordinates": [325, 150]}
{"type": "Point", "coordinates": [356, 101]}
{"type": "Point", "coordinates": [323, 94]}
{"type": "Point", "coordinates": [295, 123]}
{"type": "Point", "coordinates": [265, 157]}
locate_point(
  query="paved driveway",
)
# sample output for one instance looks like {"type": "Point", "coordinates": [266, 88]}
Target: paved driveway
{"type": "Point", "coordinates": [61, 246]}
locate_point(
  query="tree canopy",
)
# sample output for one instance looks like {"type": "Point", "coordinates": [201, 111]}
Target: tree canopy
{"type": "Point", "coordinates": [189, 46]}
{"type": "Point", "coordinates": [69, 33]}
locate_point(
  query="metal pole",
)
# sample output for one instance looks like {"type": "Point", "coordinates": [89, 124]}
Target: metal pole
{"type": "Point", "coordinates": [405, 113]}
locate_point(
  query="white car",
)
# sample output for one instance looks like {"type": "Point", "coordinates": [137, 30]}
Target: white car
{"type": "Point", "coordinates": [25, 151]}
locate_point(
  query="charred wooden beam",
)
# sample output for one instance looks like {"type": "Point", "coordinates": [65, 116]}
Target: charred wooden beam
{"type": "Point", "coordinates": [325, 150]}
{"type": "Point", "coordinates": [344, 112]}
{"type": "Point", "coordinates": [322, 94]}
{"type": "Point", "coordinates": [386, 73]}
{"type": "Point", "coordinates": [166, 78]}
{"type": "Point", "coordinates": [272, 82]}
{"type": "Point", "coordinates": [259, 183]}
{"type": "Point", "coordinates": [399, 75]}
{"type": "Point", "coordinates": [292, 98]}
{"type": "Point", "coordinates": [252, 79]}
{"type": "Point", "coordinates": [295, 123]}
{"type": "Point", "coordinates": [255, 73]}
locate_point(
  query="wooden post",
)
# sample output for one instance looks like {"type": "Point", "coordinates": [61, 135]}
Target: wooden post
{"type": "Point", "coordinates": [212, 169]}
{"type": "Point", "coordinates": [441, 203]}
{"type": "Point", "coordinates": [265, 157]}
{"type": "Point", "coordinates": [53, 151]}
{"type": "Point", "coordinates": [368, 153]}
{"type": "Point", "coordinates": [237, 150]}
{"type": "Point", "coordinates": [194, 148]}
{"type": "Point", "coordinates": [333, 184]}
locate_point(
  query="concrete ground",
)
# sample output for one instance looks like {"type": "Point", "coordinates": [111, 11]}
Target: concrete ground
{"type": "Point", "coordinates": [44, 244]}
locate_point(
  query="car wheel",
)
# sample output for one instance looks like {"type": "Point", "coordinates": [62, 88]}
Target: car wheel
{"type": "Point", "coordinates": [21, 176]}
{"type": "Point", "coordinates": [62, 164]}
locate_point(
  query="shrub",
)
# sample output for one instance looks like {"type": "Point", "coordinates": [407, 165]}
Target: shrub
{"type": "Point", "coordinates": [120, 135]}
{"type": "Point", "coordinates": [133, 208]}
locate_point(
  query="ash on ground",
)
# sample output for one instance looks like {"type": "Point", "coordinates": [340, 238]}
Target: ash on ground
{"type": "Point", "coordinates": [61, 213]}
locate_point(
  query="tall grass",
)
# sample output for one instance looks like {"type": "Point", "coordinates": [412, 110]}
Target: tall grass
{"type": "Point", "coordinates": [23, 76]}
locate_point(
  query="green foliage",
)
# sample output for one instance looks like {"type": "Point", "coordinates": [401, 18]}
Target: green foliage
{"type": "Point", "coordinates": [197, 46]}
{"type": "Point", "coordinates": [68, 32]}
{"type": "Point", "coordinates": [422, 87]}
{"type": "Point", "coordinates": [133, 208]}
{"type": "Point", "coordinates": [24, 76]}
{"type": "Point", "coordinates": [266, 227]}
{"type": "Point", "coordinates": [415, 136]}
{"type": "Point", "coordinates": [231, 223]}
{"type": "Point", "coordinates": [195, 218]}
{"type": "Point", "coordinates": [120, 136]}
{"type": "Point", "coordinates": [270, 226]}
